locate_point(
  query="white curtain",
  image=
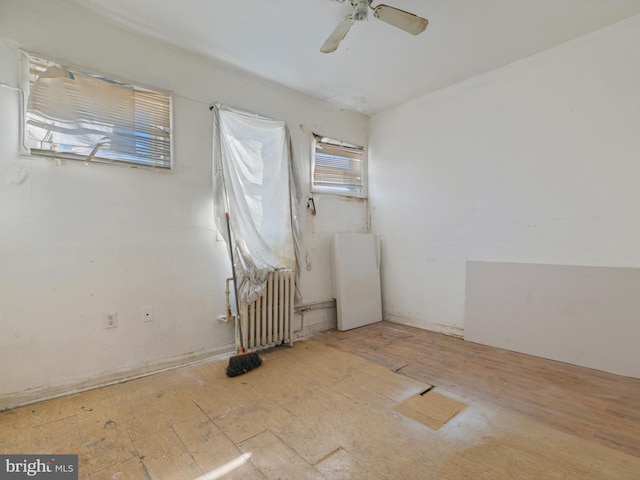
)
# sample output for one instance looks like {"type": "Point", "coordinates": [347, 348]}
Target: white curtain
{"type": "Point", "coordinates": [255, 181]}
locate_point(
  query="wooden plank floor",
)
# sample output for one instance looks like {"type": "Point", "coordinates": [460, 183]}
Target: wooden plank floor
{"type": "Point", "coordinates": [587, 403]}
{"type": "Point", "coordinates": [325, 409]}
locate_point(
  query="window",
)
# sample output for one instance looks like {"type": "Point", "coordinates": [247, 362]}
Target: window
{"type": "Point", "coordinates": [78, 115]}
{"type": "Point", "coordinates": [338, 167]}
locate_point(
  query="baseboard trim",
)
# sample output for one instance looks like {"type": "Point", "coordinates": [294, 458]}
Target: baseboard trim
{"type": "Point", "coordinates": [319, 317]}
{"type": "Point", "coordinates": [450, 330]}
{"type": "Point", "coordinates": [14, 400]}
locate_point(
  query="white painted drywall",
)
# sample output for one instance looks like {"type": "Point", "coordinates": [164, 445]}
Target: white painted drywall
{"type": "Point", "coordinates": [78, 241]}
{"type": "Point", "coordinates": [536, 162]}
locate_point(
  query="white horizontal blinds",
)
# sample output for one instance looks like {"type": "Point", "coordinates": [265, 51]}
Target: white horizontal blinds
{"type": "Point", "coordinates": [338, 165]}
{"type": "Point", "coordinates": [79, 115]}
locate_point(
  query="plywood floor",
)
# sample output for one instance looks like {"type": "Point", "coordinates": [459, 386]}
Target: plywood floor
{"type": "Point", "coordinates": [325, 409]}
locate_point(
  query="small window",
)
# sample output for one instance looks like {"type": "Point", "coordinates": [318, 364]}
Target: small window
{"type": "Point", "coordinates": [78, 115]}
{"type": "Point", "coordinates": [338, 167]}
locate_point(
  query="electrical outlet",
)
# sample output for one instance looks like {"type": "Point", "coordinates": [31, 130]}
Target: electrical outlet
{"type": "Point", "coordinates": [147, 314]}
{"type": "Point", "coordinates": [111, 320]}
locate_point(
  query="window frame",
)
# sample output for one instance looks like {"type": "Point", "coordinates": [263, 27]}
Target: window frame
{"type": "Point", "coordinates": [26, 149]}
{"type": "Point", "coordinates": [344, 191]}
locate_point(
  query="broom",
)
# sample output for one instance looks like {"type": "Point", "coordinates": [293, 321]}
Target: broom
{"type": "Point", "coordinates": [243, 361]}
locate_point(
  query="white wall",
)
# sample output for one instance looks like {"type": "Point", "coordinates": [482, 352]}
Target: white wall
{"type": "Point", "coordinates": [537, 162]}
{"type": "Point", "coordinates": [77, 241]}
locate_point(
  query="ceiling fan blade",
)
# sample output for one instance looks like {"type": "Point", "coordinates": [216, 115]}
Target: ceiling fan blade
{"type": "Point", "coordinates": [332, 43]}
{"type": "Point", "coordinates": [406, 21]}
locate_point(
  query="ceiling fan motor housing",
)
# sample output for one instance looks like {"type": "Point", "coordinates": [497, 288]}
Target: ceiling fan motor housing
{"type": "Point", "coordinates": [360, 9]}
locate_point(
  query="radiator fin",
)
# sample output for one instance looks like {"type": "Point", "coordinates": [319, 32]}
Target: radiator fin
{"type": "Point", "coordinates": [269, 320]}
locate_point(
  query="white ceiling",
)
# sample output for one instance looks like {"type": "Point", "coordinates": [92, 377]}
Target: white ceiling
{"type": "Point", "coordinates": [377, 66]}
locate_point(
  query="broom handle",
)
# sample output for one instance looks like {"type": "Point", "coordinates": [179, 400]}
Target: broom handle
{"type": "Point", "coordinates": [235, 284]}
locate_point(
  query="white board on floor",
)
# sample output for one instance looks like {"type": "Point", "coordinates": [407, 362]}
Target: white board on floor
{"type": "Point", "coordinates": [356, 267]}
{"type": "Point", "coordinates": [584, 315]}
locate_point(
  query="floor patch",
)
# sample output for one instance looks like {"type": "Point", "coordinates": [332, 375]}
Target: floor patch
{"type": "Point", "coordinates": [430, 408]}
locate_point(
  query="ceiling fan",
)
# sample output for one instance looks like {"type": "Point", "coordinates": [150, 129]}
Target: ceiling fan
{"type": "Point", "coordinates": [406, 21]}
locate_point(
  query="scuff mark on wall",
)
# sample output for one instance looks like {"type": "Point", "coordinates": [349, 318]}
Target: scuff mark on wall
{"type": "Point", "coordinates": [308, 260]}
{"type": "Point", "coordinates": [17, 174]}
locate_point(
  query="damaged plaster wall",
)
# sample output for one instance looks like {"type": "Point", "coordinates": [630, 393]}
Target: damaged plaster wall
{"type": "Point", "coordinates": [536, 162]}
{"type": "Point", "coordinates": [78, 241]}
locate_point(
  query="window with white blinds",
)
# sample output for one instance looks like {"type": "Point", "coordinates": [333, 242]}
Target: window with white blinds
{"type": "Point", "coordinates": [338, 167]}
{"type": "Point", "coordinates": [79, 115]}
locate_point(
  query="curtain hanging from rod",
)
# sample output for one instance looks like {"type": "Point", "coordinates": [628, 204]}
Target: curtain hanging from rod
{"type": "Point", "coordinates": [256, 182]}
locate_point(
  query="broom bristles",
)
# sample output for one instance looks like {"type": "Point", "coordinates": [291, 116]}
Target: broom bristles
{"type": "Point", "coordinates": [243, 363]}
